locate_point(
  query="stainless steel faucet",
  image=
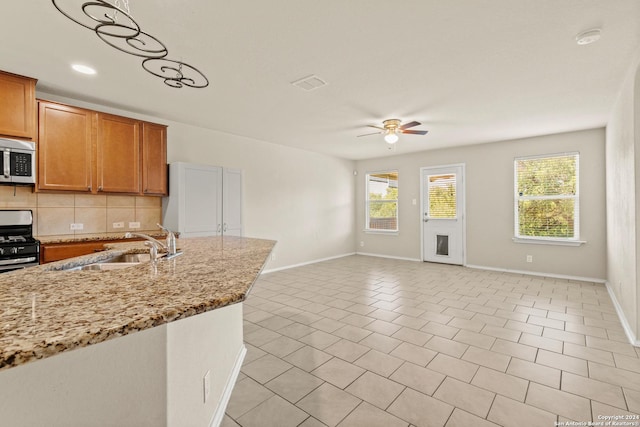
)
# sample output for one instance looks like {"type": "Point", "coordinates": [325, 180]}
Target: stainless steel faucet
{"type": "Point", "coordinates": [153, 244]}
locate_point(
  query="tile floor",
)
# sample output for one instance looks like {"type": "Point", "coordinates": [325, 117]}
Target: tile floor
{"type": "Point", "coordinates": [363, 341]}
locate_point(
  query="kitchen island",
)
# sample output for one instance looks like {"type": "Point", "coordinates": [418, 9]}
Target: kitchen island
{"type": "Point", "coordinates": [157, 344]}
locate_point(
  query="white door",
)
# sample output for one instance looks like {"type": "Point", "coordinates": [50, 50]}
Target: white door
{"type": "Point", "coordinates": [232, 202]}
{"type": "Point", "coordinates": [202, 208]}
{"type": "Point", "coordinates": [443, 214]}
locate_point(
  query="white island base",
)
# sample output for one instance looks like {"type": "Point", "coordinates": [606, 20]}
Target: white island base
{"type": "Point", "coordinates": [149, 378]}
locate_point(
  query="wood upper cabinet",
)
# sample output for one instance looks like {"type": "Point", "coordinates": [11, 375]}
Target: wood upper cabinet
{"type": "Point", "coordinates": [17, 106]}
{"type": "Point", "coordinates": [118, 154]}
{"type": "Point", "coordinates": [154, 159]}
{"type": "Point", "coordinates": [86, 151]}
{"type": "Point", "coordinates": [65, 156]}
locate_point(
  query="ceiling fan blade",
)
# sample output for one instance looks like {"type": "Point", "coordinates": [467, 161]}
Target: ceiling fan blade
{"type": "Point", "coordinates": [415, 132]}
{"type": "Point", "coordinates": [377, 127]}
{"type": "Point", "coordinates": [367, 134]}
{"type": "Point", "coordinates": [409, 125]}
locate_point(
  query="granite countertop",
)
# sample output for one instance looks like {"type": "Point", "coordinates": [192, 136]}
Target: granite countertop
{"type": "Point", "coordinates": [71, 238]}
{"type": "Point", "coordinates": [47, 310]}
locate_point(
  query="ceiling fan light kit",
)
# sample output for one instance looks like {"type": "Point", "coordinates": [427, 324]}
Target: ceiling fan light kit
{"type": "Point", "coordinates": [392, 128]}
{"type": "Point", "coordinates": [114, 25]}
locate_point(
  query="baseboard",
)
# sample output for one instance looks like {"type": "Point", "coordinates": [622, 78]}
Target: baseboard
{"type": "Point", "coordinates": [388, 256]}
{"type": "Point", "coordinates": [623, 319]}
{"type": "Point", "coordinates": [535, 273]}
{"type": "Point", "coordinates": [287, 267]}
{"type": "Point", "coordinates": [218, 416]}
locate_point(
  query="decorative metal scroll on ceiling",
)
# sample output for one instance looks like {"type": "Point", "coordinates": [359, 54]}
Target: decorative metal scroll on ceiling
{"type": "Point", "coordinates": [114, 25]}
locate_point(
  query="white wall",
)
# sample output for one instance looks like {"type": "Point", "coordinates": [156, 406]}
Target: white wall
{"type": "Point", "coordinates": [303, 200]}
{"type": "Point", "coordinates": [623, 182]}
{"type": "Point", "coordinates": [489, 205]}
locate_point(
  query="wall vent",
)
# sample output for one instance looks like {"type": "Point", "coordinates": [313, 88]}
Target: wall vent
{"type": "Point", "coordinates": [309, 83]}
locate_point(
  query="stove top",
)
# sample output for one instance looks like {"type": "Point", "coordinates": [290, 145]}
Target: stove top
{"type": "Point", "coordinates": [14, 239]}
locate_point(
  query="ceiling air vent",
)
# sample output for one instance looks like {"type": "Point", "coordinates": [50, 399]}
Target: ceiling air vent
{"type": "Point", "coordinates": [309, 83]}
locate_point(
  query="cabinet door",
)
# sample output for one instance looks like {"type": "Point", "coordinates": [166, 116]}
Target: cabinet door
{"type": "Point", "coordinates": [64, 148]}
{"type": "Point", "coordinates": [154, 159]}
{"type": "Point", "coordinates": [118, 154]}
{"type": "Point", "coordinates": [232, 202]}
{"type": "Point", "coordinates": [17, 106]}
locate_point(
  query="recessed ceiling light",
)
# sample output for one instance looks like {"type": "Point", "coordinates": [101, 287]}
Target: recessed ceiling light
{"type": "Point", "coordinates": [84, 69]}
{"type": "Point", "coordinates": [588, 37]}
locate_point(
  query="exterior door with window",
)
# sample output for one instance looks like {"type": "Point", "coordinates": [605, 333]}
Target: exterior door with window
{"type": "Point", "coordinates": [443, 214]}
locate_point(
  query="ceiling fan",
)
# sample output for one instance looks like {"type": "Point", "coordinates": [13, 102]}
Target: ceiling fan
{"type": "Point", "coordinates": [392, 128]}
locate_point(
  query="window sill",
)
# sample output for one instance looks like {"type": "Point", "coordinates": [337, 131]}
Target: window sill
{"type": "Point", "coordinates": [387, 232]}
{"type": "Point", "coordinates": [555, 242]}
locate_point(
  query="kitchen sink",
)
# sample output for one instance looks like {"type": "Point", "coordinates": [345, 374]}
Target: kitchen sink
{"type": "Point", "coordinates": [128, 259]}
{"type": "Point", "coordinates": [102, 266]}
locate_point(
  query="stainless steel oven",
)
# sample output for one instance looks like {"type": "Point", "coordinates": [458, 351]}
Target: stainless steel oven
{"type": "Point", "coordinates": [18, 248]}
{"type": "Point", "coordinates": [17, 162]}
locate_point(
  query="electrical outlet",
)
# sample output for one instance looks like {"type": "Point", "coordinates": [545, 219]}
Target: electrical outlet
{"type": "Point", "coordinates": [134, 225]}
{"type": "Point", "coordinates": [118, 225]}
{"type": "Point", "coordinates": [362, 244]}
{"type": "Point", "coordinates": [414, 202]}
{"type": "Point", "coordinates": [206, 386]}
{"type": "Point", "coordinates": [76, 226]}
{"type": "Point", "coordinates": [529, 258]}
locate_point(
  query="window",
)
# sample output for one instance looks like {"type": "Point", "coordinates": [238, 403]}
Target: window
{"type": "Point", "coordinates": [382, 201]}
{"type": "Point", "coordinates": [442, 196]}
{"type": "Point", "coordinates": [546, 197]}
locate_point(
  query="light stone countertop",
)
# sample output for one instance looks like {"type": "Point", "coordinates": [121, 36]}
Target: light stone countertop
{"type": "Point", "coordinates": [46, 310]}
{"type": "Point", "coordinates": [81, 238]}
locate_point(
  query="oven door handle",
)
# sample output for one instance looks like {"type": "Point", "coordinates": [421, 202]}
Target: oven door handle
{"type": "Point", "coordinates": [17, 260]}
{"type": "Point", "coordinates": [7, 163]}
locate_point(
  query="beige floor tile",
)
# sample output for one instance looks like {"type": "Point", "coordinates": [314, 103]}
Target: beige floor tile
{"type": "Point", "coordinates": [487, 358]}
{"type": "Point", "coordinates": [247, 394]}
{"type": "Point", "coordinates": [296, 330]}
{"type": "Point", "coordinates": [510, 413]}
{"type": "Point", "coordinates": [308, 358]}
{"type": "Point", "coordinates": [502, 333]}
{"type": "Point", "coordinates": [541, 342]}
{"type": "Point", "coordinates": [380, 363]}
{"type": "Point", "coordinates": [227, 421]}
{"type": "Point", "coordinates": [334, 313]}
{"type": "Point", "coordinates": [265, 368]}
{"type": "Point", "coordinates": [294, 384]}
{"type": "Point", "coordinates": [615, 376]}
{"type": "Point", "coordinates": [273, 412]}
{"type": "Point", "coordinates": [511, 315]}
{"type": "Point", "coordinates": [440, 330]}
{"type": "Point", "coordinates": [319, 339]}
{"type": "Point", "coordinates": [600, 409]}
{"type": "Point", "coordinates": [593, 331]}
{"type": "Point", "coordinates": [466, 324]}
{"type": "Point", "coordinates": [593, 389]}
{"type": "Point", "coordinates": [357, 320]}
{"type": "Point", "coordinates": [535, 372]}
{"type": "Point", "coordinates": [626, 362]}
{"type": "Point", "coordinates": [558, 402]}
{"type": "Point", "coordinates": [282, 346]}
{"type": "Point", "coordinates": [385, 315]}
{"type": "Point", "coordinates": [338, 372]}
{"type": "Point", "coordinates": [312, 422]}
{"type": "Point", "coordinates": [546, 322]}
{"type": "Point", "coordinates": [375, 389]}
{"type": "Point", "coordinates": [570, 337]}
{"type": "Point", "coordinates": [614, 346]}
{"type": "Point", "coordinates": [475, 339]}
{"type": "Point", "coordinates": [418, 378]}
{"type": "Point", "coordinates": [414, 354]}
{"type": "Point", "coordinates": [382, 327]}
{"type": "Point", "coordinates": [261, 337]}
{"type": "Point", "coordinates": [465, 396]}
{"type": "Point", "coordinates": [410, 321]}
{"type": "Point", "coordinates": [633, 400]}
{"type": "Point", "coordinates": [498, 382]}
{"type": "Point", "coordinates": [588, 353]}
{"type": "Point", "coordinates": [446, 346]}
{"type": "Point", "coordinates": [380, 342]}
{"type": "Point", "coordinates": [460, 418]}
{"type": "Point", "coordinates": [352, 333]}
{"type": "Point", "coordinates": [412, 336]}
{"type": "Point", "coordinates": [530, 311]}
{"type": "Point", "coordinates": [453, 367]}
{"type": "Point", "coordinates": [420, 409]}
{"type": "Point", "coordinates": [346, 350]}
{"type": "Point", "coordinates": [492, 320]}
{"type": "Point", "coordinates": [329, 404]}
{"type": "Point", "coordinates": [327, 325]}
{"type": "Point", "coordinates": [562, 362]}
{"type": "Point", "coordinates": [524, 327]}
{"type": "Point", "coordinates": [370, 416]}
{"type": "Point", "coordinates": [520, 351]}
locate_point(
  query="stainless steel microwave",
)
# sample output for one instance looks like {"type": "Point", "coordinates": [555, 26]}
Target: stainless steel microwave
{"type": "Point", "coordinates": [17, 162]}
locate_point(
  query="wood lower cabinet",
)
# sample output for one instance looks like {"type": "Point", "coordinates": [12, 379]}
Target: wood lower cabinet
{"type": "Point", "coordinates": [17, 106]}
{"type": "Point", "coordinates": [118, 154]}
{"type": "Point", "coordinates": [65, 153]}
{"type": "Point", "coordinates": [86, 151]}
{"type": "Point", "coordinates": [56, 251]}
{"type": "Point", "coordinates": [154, 159]}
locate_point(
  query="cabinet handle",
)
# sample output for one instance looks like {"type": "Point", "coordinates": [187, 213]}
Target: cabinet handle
{"type": "Point", "coordinates": [100, 188]}
{"type": "Point", "coordinates": [89, 188]}
{"type": "Point", "coordinates": [225, 227]}
{"type": "Point", "coordinates": [219, 228]}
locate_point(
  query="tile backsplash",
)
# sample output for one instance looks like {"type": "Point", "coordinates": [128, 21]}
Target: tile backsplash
{"type": "Point", "coordinates": [53, 214]}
